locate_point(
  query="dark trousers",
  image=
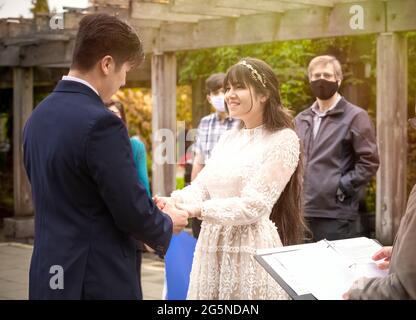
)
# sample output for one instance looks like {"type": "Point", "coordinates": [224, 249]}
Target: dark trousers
{"type": "Point", "coordinates": [332, 229]}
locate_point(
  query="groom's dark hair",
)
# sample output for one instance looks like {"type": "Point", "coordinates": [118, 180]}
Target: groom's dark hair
{"type": "Point", "coordinates": [99, 35]}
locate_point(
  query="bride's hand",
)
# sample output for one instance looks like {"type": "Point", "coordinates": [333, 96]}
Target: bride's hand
{"type": "Point", "coordinates": [193, 210]}
{"type": "Point", "coordinates": [162, 201]}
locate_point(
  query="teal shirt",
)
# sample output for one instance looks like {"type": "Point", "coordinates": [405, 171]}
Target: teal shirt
{"type": "Point", "coordinates": [139, 156]}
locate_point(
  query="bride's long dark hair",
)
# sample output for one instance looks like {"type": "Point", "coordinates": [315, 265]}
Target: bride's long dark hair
{"type": "Point", "coordinates": [287, 212]}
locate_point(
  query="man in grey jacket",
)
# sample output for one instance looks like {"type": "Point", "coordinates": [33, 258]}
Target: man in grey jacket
{"type": "Point", "coordinates": [340, 154]}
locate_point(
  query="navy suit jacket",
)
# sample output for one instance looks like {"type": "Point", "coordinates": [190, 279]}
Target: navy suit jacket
{"type": "Point", "coordinates": [89, 204]}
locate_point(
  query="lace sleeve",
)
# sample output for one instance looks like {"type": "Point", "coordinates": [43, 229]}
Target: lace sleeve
{"type": "Point", "coordinates": [263, 188]}
{"type": "Point", "coordinates": [196, 192]}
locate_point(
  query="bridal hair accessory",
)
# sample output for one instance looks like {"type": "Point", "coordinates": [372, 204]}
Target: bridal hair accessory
{"type": "Point", "coordinates": [254, 73]}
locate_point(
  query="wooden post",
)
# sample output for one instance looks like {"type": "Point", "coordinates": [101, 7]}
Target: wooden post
{"type": "Point", "coordinates": [164, 123]}
{"type": "Point", "coordinates": [391, 134]}
{"type": "Point", "coordinates": [200, 105]}
{"type": "Point", "coordinates": [22, 108]}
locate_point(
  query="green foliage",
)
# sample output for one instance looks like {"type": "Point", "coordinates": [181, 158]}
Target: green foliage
{"type": "Point", "coordinates": [180, 183]}
{"type": "Point", "coordinates": [184, 103]}
{"type": "Point", "coordinates": [40, 6]}
{"type": "Point", "coordinates": [411, 153]}
{"type": "Point", "coordinates": [370, 199]}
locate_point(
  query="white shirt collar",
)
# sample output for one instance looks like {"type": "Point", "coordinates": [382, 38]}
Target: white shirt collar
{"type": "Point", "coordinates": [71, 78]}
{"type": "Point", "coordinates": [315, 106]}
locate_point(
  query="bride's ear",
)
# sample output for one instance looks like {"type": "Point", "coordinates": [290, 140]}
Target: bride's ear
{"type": "Point", "coordinates": [264, 97]}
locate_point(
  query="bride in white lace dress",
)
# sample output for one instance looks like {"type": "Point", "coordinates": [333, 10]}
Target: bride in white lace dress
{"type": "Point", "coordinates": [252, 178]}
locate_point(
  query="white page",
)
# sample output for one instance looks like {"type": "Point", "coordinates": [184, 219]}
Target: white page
{"type": "Point", "coordinates": [358, 250]}
{"type": "Point", "coordinates": [289, 276]}
{"type": "Point", "coordinates": [323, 271]}
{"type": "Point", "coordinates": [310, 270]}
{"type": "Point", "coordinates": [319, 269]}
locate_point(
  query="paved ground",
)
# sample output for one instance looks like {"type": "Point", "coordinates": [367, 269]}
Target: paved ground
{"type": "Point", "coordinates": [14, 266]}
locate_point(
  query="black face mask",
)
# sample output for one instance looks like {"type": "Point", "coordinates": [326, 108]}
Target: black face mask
{"type": "Point", "coordinates": [323, 89]}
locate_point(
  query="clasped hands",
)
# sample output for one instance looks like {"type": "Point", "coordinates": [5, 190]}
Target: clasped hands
{"type": "Point", "coordinates": [178, 212]}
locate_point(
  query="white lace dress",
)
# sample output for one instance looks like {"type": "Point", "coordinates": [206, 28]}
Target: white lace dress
{"type": "Point", "coordinates": [236, 190]}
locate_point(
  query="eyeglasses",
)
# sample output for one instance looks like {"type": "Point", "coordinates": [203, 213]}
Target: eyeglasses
{"type": "Point", "coordinates": [326, 75]}
{"type": "Point", "coordinates": [412, 122]}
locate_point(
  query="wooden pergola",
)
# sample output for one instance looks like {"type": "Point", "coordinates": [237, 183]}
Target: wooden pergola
{"type": "Point", "coordinates": [28, 47]}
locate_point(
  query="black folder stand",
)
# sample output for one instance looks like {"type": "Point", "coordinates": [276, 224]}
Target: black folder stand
{"type": "Point", "coordinates": [281, 282]}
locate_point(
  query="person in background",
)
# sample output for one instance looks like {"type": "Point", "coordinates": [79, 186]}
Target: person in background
{"type": "Point", "coordinates": [341, 154]}
{"type": "Point", "coordinates": [138, 147]}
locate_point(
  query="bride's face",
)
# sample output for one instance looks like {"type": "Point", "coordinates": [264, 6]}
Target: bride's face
{"type": "Point", "coordinates": [242, 101]}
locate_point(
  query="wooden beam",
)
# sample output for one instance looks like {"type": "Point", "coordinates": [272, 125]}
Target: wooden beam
{"type": "Point", "coordinates": [55, 50]}
{"type": "Point", "coordinates": [144, 10]}
{"type": "Point", "coordinates": [140, 77]}
{"type": "Point", "coordinates": [47, 53]}
{"type": "Point", "coordinates": [15, 27]}
{"type": "Point", "coordinates": [200, 105]}
{"type": "Point", "coordinates": [208, 7]}
{"type": "Point", "coordinates": [22, 108]}
{"type": "Point", "coordinates": [331, 22]}
{"type": "Point", "coordinates": [401, 15]}
{"type": "Point", "coordinates": [148, 23]}
{"type": "Point", "coordinates": [308, 23]}
{"type": "Point", "coordinates": [391, 134]}
{"type": "Point", "coordinates": [263, 5]}
{"type": "Point", "coordinates": [148, 34]}
{"type": "Point", "coordinates": [120, 3]}
{"type": "Point", "coordinates": [164, 123]}
{"type": "Point", "coordinates": [9, 55]}
{"type": "Point", "coordinates": [324, 3]}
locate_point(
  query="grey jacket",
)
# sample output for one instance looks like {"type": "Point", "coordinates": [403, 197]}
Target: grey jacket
{"type": "Point", "coordinates": [400, 283]}
{"type": "Point", "coordinates": [340, 161]}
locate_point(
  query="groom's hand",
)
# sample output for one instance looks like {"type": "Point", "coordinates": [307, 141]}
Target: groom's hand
{"type": "Point", "coordinates": [179, 217]}
{"type": "Point", "coordinates": [162, 201]}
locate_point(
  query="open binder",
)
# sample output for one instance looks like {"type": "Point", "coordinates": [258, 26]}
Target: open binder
{"type": "Point", "coordinates": [323, 270]}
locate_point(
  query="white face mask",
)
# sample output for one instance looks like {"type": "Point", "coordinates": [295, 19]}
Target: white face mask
{"type": "Point", "coordinates": [218, 102]}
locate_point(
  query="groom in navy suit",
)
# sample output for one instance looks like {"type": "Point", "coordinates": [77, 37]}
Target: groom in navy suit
{"type": "Point", "coordinates": [89, 204]}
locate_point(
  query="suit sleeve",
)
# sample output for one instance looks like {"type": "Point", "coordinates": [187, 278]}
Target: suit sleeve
{"type": "Point", "coordinates": [110, 162]}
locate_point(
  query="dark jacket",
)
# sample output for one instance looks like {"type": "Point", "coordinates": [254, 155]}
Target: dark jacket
{"type": "Point", "coordinates": [87, 198]}
{"type": "Point", "coordinates": [400, 283]}
{"type": "Point", "coordinates": [343, 157]}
